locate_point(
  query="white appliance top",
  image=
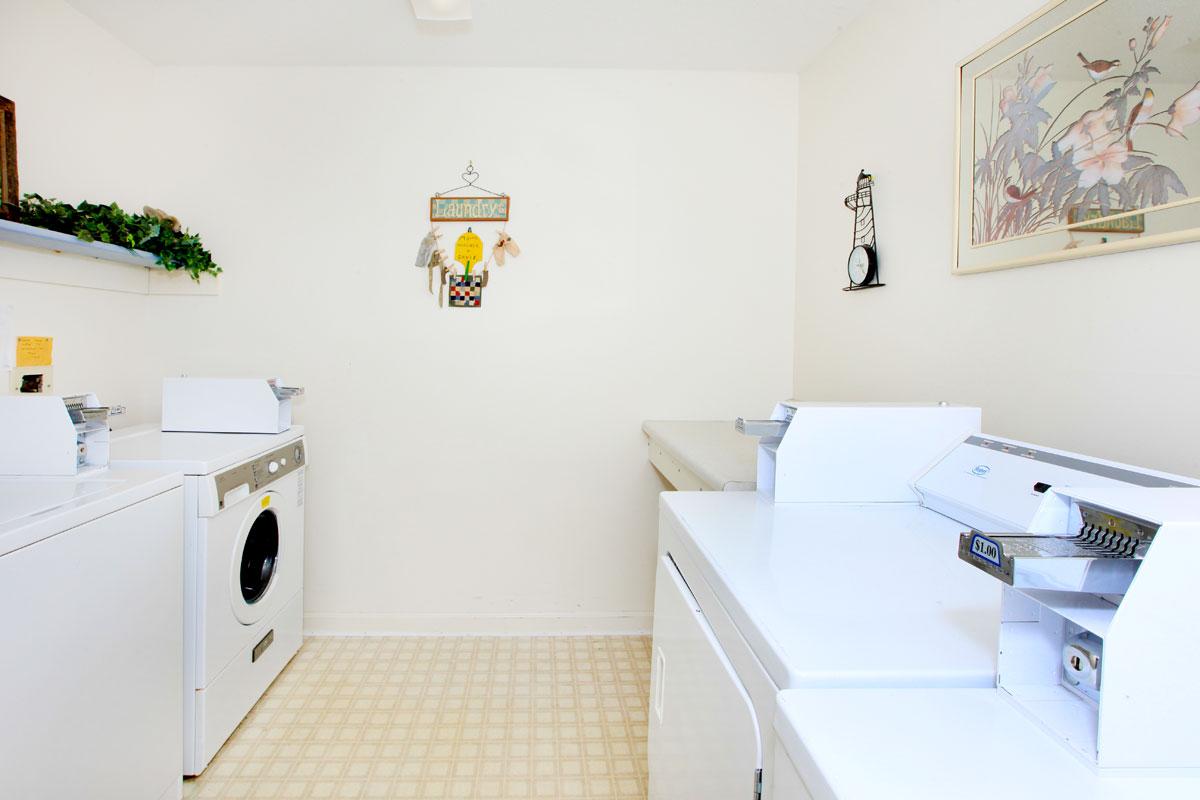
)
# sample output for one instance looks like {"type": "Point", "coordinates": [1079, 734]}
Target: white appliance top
{"type": "Point", "coordinates": [997, 484]}
{"type": "Point", "coordinates": [715, 451]}
{"type": "Point", "coordinates": [853, 404]}
{"type": "Point", "coordinates": [941, 744]}
{"type": "Point", "coordinates": [845, 594]}
{"type": "Point", "coordinates": [35, 508]}
{"type": "Point", "coordinates": [192, 453]}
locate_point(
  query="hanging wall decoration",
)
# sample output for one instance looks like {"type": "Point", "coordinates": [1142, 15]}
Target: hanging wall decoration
{"type": "Point", "coordinates": [1078, 135]}
{"type": "Point", "coordinates": [468, 209]}
{"type": "Point", "coordinates": [465, 271]}
{"type": "Point", "coordinates": [863, 264]}
{"type": "Point", "coordinates": [503, 248]}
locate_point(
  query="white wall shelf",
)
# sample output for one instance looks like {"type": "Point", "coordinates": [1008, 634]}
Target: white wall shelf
{"type": "Point", "coordinates": [152, 278]}
{"type": "Point", "coordinates": [29, 236]}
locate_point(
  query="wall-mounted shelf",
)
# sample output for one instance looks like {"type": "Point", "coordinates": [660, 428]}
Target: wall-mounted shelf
{"type": "Point", "coordinates": [153, 278]}
{"type": "Point", "coordinates": [29, 236]}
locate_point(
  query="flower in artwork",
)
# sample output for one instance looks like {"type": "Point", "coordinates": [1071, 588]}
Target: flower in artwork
{"type": "Point", "coordinates": [1092, 130]}
{"type": "Point", "coordinates": [1042, 80]}
{"type": "Point", "coordinates": [1184, 111]}
{"type": "Point", "coordinates": [1007, 97]}
{"type": "Point", "coordinates": [1107, 165]}
{"type": "Point", "coordinates": [1157, 31]}
{"type": "Point", "coordinates": [1034, 166]}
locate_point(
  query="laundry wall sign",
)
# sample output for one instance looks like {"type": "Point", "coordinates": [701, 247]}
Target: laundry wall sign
{"type": "Point", "coordinates": [464, 268]}
{"type": "Point", "coordinates": [468, 209]}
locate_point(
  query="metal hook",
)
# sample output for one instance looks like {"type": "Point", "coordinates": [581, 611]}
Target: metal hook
{"type": "Point", "coordinates": [470, 176]}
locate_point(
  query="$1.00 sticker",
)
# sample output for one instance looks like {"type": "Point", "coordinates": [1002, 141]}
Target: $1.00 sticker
{"type": "Point", "coordinates": [985, 549]}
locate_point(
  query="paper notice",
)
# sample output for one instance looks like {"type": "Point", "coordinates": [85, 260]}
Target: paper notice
{"type": "Point", "coordinates": [34, 351]}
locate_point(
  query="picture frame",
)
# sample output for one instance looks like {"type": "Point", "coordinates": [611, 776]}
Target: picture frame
{"type": "Point", "coordinates": [10, 191]}
{"type": "Point", "coordinates": [1077, 135]}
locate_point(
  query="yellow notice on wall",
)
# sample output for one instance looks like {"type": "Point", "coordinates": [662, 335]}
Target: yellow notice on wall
{"type": "Point", "coordinates": [34, 351]}
{"type": "Point", "coordinates": [468, 250]}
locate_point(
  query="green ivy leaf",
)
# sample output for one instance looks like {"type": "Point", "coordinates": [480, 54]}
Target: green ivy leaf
{"type": "Point", "coordinates": [109, 223]}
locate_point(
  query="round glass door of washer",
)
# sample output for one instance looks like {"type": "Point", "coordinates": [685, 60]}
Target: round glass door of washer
{"type": "Point", "coordinates": [256, 564]}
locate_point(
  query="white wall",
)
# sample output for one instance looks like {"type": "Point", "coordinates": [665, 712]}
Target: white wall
{"type": "Point", "coordinates": [470, 469]}
{"type": "Point", "coordinates": [84, 132]}
{"type": "Point", "coordinates": [470, 463]}
{"type": "Point", "coordinates": [1097, 355]}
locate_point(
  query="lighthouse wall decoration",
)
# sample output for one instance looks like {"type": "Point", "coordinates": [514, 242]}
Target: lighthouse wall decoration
{"type": "Point", "coordinates": [862, 267]}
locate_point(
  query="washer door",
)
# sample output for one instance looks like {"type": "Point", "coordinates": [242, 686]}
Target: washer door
{"type": "Point", "coordinates": [255, 563]}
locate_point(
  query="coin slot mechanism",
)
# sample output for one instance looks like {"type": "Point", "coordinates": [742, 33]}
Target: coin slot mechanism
{"type": "Point", "coordinates": [263, 643]}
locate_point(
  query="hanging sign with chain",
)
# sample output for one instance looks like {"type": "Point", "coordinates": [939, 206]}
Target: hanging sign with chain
{"type": "Point", "coordinates": [466, 273]}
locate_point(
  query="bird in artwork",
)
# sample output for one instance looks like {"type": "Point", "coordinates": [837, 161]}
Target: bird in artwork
{"type": "Point", "coordinates": [1139, 116]}
{"type": "Point", "coordinates": [1015, 195]}
{"type": "Point", "coordinates": [1099, 69]}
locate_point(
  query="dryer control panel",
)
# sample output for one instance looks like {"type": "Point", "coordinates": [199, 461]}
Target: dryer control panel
{"type": "Point", "coordinates": [248, 477]}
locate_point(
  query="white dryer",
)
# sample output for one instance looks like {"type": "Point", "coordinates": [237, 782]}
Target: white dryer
{"type": "Point", "coordinates": [91, 602]}
{"type": "Point", "coordinates": [755, 596]}
{"type": "Point", "coordinates": [244, 568]}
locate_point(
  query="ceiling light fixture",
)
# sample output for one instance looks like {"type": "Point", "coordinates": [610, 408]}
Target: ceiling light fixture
{"type": "Point", "coordinates": [442, 10]}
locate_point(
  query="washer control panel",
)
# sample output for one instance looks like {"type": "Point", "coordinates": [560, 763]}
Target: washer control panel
{"type": "Point", "coordinates": [250, 476]}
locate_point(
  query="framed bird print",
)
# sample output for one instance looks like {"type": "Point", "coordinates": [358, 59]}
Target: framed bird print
{"type": "Point", "coordinates": [1079, 134]}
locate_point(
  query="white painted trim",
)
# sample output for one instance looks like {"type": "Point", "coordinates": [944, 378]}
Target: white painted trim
{"type": "Point", "coordinates": [36, 265]}
{"type": "Point", "coordinates": [629, 623]}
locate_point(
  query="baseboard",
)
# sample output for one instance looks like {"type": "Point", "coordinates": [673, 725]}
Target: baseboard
{"type": "Point", "coordinates": [633, 623]}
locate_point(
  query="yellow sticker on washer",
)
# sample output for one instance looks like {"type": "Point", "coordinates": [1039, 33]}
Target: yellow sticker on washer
{"type": "Point", "coordinates": [266, 501]}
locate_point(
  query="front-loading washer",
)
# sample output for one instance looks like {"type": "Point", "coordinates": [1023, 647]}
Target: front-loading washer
{"type": "Point", "coordinates": [243, 568]}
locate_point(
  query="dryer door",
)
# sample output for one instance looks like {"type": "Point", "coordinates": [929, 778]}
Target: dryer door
{"type": "Point", "coordinates": [260, 554]}
{"type": "Point", "coordinates": [256, 560]}
{"type": "Point", "coordinates": [704, 742]}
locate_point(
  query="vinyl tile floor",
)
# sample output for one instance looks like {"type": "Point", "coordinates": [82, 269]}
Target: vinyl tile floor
{"type": "Point", "coordinates": [445, 717]}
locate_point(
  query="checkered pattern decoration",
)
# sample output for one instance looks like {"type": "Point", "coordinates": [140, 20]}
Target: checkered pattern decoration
{"type": "Point", "coordinates": [466, 291]}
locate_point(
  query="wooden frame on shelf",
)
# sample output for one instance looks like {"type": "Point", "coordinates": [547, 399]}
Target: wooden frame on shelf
{"type": "Point", "coordinates": [10, 192]}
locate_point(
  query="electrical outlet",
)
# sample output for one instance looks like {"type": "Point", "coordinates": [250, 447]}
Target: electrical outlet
{"type": "Point", "coordinates": [31, 380]}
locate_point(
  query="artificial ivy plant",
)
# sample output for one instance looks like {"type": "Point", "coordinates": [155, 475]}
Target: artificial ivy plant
{"type": "Point", "coordinates": [155, 232]}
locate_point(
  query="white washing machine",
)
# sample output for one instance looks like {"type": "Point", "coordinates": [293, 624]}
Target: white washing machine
{"type": "Point", "coordinates": [91, 601]}
{"type": "Point", "coordinates": [243, 568]}
{"type": "Point", "coordinates": [1094, 596]}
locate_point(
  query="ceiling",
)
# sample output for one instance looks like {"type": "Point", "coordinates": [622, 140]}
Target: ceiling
{"type": "Point", "coordinates": [742, 35]}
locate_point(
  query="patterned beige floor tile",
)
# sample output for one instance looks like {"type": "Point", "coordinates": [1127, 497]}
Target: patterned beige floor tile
{"type": "Point", "coordinates": [445, 717]}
